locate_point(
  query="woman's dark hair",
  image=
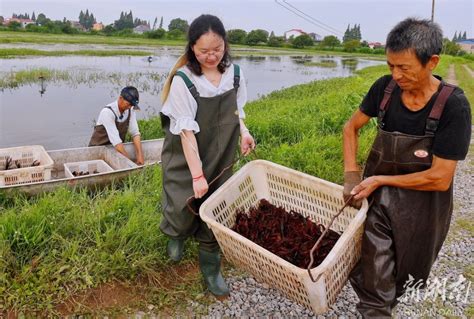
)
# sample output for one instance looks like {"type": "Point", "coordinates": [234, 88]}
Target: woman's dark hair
{"type": "Point", "coordinates": [201, 25]}
{"type": "Point", "coordinates": [422, 36]}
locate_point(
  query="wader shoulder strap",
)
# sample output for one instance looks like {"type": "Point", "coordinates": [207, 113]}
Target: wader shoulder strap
{"type": "Point", "coordinates": [189, 84]}
{"type": "Point", "coordinates": [385, 102]}
{"type": "Point", "coordinates": [108, 107]}
{"type": "Point", "coordinates": [236, 77]}
{"type": "Point", "coordinates": [438, 107]}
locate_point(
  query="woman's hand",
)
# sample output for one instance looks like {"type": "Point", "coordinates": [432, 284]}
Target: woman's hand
{"type": "Point", "coordinates": [247, 143]}
{"type": "Point", "coordinates": [200, 186]}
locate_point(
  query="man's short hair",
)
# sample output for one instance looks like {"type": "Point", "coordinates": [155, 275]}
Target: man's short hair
{"type": "Point", "coordinates": [423, 36]}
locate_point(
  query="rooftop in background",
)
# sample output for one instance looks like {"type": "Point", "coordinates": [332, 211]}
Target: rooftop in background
{"type": "Point", "coordinates": [467, 41]}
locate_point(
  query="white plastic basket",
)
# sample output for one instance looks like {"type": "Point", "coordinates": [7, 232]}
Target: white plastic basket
{"type": "Point", "coordinates": [98, 166]}
{"type": "Point", "coordinates": [25, 156]}
{"type": "Point", "coordinates": [308, 195]}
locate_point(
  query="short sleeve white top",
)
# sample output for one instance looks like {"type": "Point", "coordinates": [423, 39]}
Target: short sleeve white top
{"type": "Point", "coordinates": [107, 119]}
{"type": "Point", "coordinates": [181, 107]}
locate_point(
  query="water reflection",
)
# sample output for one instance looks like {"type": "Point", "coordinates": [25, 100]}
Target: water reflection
{"type": "Point", "coordinates": [43, 86]}
{"type": "Point", "coordinates": [350, 64]}
{"type": "Point", "coordinates": [75, 89]}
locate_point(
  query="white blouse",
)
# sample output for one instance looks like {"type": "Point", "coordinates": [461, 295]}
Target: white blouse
{"type": "Point", "coordinates": [181, 107]}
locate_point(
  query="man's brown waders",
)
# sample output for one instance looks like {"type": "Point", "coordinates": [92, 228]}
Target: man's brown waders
{"type": "Point", "coordinates": [217, 142]}
{"type": "Point", "coordinates": [405, 228]}
{"type": "Point", "coordinates": [100, 137]}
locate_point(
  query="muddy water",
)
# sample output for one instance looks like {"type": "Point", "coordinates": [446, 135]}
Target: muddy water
{"type": "Point", "coordinates": [61, 113]}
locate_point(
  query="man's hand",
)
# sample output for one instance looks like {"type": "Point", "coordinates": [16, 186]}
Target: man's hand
{"type": "Point", "coordinates": [351, 180]}
{"type": "Point", "coordinates": [200, 187]}
{"type": "Point", "coordinates": [140, 160]}
{"type": "Point", "coordinates": [247, 143]}
{"type": "Point", "coordinates": [365, 188]}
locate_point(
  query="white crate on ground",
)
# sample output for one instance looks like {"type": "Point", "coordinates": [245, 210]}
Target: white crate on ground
{"type": "Point", "coordinates": [310, 196]}
{"type": "Point", "coordinates": [90, 167]}
{"type": "Point", "coordinates": [22, 158]}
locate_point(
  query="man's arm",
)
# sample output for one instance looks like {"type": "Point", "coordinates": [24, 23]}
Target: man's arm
{"type": "Point", "coordinates": [351, 138]}
{"type": "Point", "coordinates": [436, 178]}
{"type": "Point", "coordinates": [121, 149]}
{"type": "Point", "coordinates": [138, 149]}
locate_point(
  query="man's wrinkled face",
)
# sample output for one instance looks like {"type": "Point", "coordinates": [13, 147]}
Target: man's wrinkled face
{"type": "Point", "coordinates": [408, 71]}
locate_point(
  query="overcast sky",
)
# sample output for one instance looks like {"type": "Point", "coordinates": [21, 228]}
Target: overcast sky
{"type": "Point", "coordinates": [376, 17]}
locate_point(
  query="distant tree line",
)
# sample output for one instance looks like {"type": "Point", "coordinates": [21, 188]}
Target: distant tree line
{"type": "Point", "coordinates": [177, 29]}
{"type": "Point", "coordinates": [352, 33]}
{"type": "Point", "coordinates": [87, 20]}
{"type": "Point", "coordinates": [458, 37]}
{"type": "Point", "coordinates": [23, 16]}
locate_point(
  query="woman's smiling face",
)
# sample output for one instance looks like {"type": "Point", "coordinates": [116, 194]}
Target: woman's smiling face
{"type": "Point", "coordinates": [209, 50]}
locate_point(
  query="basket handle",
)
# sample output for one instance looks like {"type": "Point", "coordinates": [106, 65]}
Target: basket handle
{"type": "Point", "coordinates": [321, 237]}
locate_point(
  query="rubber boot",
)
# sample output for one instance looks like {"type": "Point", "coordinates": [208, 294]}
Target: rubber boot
{"type": "Point", "coordinates": [175, 248]}
{"type": "Point", "coordinates": [210, 264]}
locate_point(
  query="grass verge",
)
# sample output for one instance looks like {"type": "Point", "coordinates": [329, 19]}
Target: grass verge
{"type": "Point", "coordinates": [14, 53]}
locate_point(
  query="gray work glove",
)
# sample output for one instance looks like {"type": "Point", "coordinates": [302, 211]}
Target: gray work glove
{"type": "Point", "coordinates": [351, 180]}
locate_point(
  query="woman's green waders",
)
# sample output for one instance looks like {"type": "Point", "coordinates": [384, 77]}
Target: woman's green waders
{"type": "Point", "coordinates": [217, 142]}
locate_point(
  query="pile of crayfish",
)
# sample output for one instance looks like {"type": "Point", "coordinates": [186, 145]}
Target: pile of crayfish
{"type": "Point", "coordinates": [10, 163]}
{"type": "Point", "coordinates": [288, 235]}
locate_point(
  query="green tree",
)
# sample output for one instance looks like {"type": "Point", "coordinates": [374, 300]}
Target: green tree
{"type": "Point", "coordinates": [302, 41]}
{"type": "Point", "coordinates": [2, 19]}
{"type": "Point", "coordinates": [156, 34]}
{"type": "Point", "coordinates": [41, 19]}
{"type": "Point", "coordinates": [455, 38]}
{"type": "Point", "coordinates": [14, 26]}
{"type": "Point", "coordinates": [275, 41]}
{"type": "Point", "coordinates": [161, 23]}
{"type": "Point", "coordinates": [175, 34]}
{"type": "Point", "coordinates": [178, 24]}
{"type": "Point", "coordinates": [236, 36]}
{"type": "Point", "coordinates": [125, 21]}
{"type": "Point", "coordinates": [109, 29]}
{"type": "Point", "coordinates": [330, 41]}
{"type": "Point", "coordinates": [256, 36]}
{"type": "Point", "coordinates": [33, 17]}
{"type": "Point", "coordinates": [464, 36]}
{"type": "Point", "coordinates": [353, 33]}
{"type": "Point", "coordinates": [451, 47]}
{"type": "Point", "coordinates": [351, 46]}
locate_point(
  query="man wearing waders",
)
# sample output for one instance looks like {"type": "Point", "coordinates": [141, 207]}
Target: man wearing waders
{"type": "Point", "coordinates": [424, 128]}
{"type": "Point", "coordinates": [115, 120]}
{"type": "Point", "coordinates": [202, 117]}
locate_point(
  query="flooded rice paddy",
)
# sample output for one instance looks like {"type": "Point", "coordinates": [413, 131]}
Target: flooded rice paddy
{"type": "Point", "coordinates": [59, 110]}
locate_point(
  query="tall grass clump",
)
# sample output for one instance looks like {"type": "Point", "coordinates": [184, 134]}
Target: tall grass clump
{"type": "Point", "coordinates": [58, 244]}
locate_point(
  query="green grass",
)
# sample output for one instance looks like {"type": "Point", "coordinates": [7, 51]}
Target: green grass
{"type": "Point", "coordinates": [30, 37]}
{"type": "Point", "coordinates": [15, 79]}
{"type": "Point", "coordinates": [304, 131]}
{"type": "Point", "coordinates": [14, 53]}
{"type": "Point", "coordinates": [149, 81]}
{"type": "Point", "coordinates": [323, 64]}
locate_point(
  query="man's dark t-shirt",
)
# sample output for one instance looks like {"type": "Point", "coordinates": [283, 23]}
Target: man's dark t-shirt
{"type": "Point", "coordinates": [452, 138]}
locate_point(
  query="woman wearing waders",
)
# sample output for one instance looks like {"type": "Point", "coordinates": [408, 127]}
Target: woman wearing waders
{"type": "Point", "coordinates": [424, 128]}
{"type": "Point", "coordinates": [202, 116]}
